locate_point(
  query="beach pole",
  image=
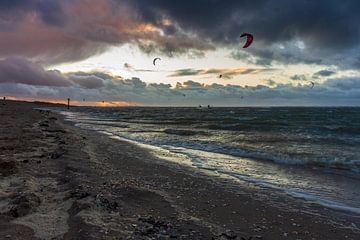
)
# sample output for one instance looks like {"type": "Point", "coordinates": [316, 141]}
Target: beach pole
{"type": "Point", "coordinates": [68, 105]}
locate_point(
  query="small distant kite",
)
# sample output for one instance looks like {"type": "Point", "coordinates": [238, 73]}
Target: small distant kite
{"type": "Point", "coordinates": [249, 39]}
{"type": "Point", "coordinates": [156, 59]}
{"type": "Point", "coordinates": [312, 85]}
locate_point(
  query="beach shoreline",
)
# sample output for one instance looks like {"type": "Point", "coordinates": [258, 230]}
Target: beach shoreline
{"type": "Point", "coordinates": [62, 182]}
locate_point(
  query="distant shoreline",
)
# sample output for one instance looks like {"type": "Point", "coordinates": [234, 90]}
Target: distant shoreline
{"type": "Point", "coordinates": [177, 106]}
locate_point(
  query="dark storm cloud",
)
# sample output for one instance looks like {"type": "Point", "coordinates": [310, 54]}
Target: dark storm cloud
{"type": "Point", "coordinates": [298, 77]}
{"type": "Point", "coordinates": [271, 82]}
{"type": "Point", "coordinates": [12, 4]}
{"type": "Point", "coordinates": [90, 81]}
{"type": "Point", "coordinates": [345, 84]}
{"type": "Point", "coordinates": [19, 70]}
{"type": "Point", "coordinates": [312, 32]}
{"type": "Point", "coordinates": [324, 73]}
{"type": "Point", "coordinates": [129, 67]}
{"type": "Point", "coordinates": [22, 78]}
{"type": "Point", "coordinates": [328, 29]}
{"type": "Point", "coordinates": [54, 31]}
{"type": "Point", "coordinates": [226, 73]}
{"type": "Point", "coordinates": [190, 84]}
{"type": "Point", "coordinates": [333, 92]}
{"type": "Point", "coordinates": [207, 18]}
{"type": "Point", "coordinates": [269, 20]}
{"type": "Point", "coordinates": [50, 11]}
{"type": "Point", "coordinates": [186, 72]}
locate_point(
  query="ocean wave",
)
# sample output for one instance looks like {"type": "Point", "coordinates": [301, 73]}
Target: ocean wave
{"type": "Point", "coordinates": [342, 129]}
{"type": "Point", "coordinates": [352, 165]}
{"type": "Point", "coordinates": [229, 127]}
{"type": "Point", "coordinates": [248, 125]}
{"type": "Point", "coordinates": [181, 132]}
{"type": "Point", "coordinates": [341, 164]}
{"type": "Point", "coordinates": [302, 137]}
{"type": "Point", "coordinates": [307, 196]}
{"type": "Point", "coordinates": [247, 118]}
{"type": "Point", "coordinates": [106, 123]}
{"type": "Point", "coordinates": [264, 149]}
{"type": "Point", "coordinates": [323, 202]}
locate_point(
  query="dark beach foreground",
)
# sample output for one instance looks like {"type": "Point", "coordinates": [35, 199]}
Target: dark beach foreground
{"type": "Point", "coordinates": [61, 182]}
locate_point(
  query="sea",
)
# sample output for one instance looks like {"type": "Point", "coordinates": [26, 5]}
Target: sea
{"type": "Point", "coordinates": [309, 153]}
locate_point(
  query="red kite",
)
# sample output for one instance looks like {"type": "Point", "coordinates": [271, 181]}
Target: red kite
{"type": "Point", "coordinates": [249, 39]}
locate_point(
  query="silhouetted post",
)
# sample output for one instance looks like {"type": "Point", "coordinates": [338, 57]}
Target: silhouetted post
{"type": "Point", "coordinates": [4, 98]}
{"type": "Point", "coordinates": [68, 107]}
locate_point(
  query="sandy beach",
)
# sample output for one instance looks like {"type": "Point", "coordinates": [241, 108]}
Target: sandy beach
{"type": "Point", "coordinates": [60, 182]}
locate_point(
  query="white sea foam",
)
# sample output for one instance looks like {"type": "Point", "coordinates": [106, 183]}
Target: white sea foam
{"type": "Point", "coordinates": [242, 163]}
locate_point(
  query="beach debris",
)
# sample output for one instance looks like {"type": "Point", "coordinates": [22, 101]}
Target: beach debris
{"type": "Point", "coordinates": [158, 228]}
{"type": "Point", "coordinates": [228, 234]}
{"type": "Point", "coordinates": [249, 39]}
{"type": "Point", "coordinates": [104, 202]}
{"type": "Point", "coordinates": [57, 154]}
{"type": "Point", "coordinates": [24, 204]}
{"type": "Point", "coordinates": [56, 131]}
{"type": "Point", "coordinates": [156, 59]}
{"type": "Point", "coordinates": [79, 194]}
{"type": "Point", "coordinates": [7, 148]}
{"type": "Point", "coordinates": [147, 219]}
{"type": "Point", "coordinates": [180, 132]}
{"type": "Point", "coordinates": [249, 238]}
{"type": "Point", "coordinates": [7, 168]}
{"type": "Point", "coordinates": [44, 124]}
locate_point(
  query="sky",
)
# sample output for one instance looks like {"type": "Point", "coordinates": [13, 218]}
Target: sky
{"type": "Point", "coordinates": [100, 52]}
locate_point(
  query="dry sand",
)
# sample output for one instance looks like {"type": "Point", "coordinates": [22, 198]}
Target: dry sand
{"type": "Point", "coordinates": [60, 182]}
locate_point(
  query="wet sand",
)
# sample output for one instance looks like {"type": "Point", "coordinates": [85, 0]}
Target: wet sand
{"type": "Point", "coordinates": [61, 182]}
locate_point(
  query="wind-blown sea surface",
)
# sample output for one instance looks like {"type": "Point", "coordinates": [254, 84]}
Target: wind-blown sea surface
{"type": "Point", "coordinates": [308, 153]}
